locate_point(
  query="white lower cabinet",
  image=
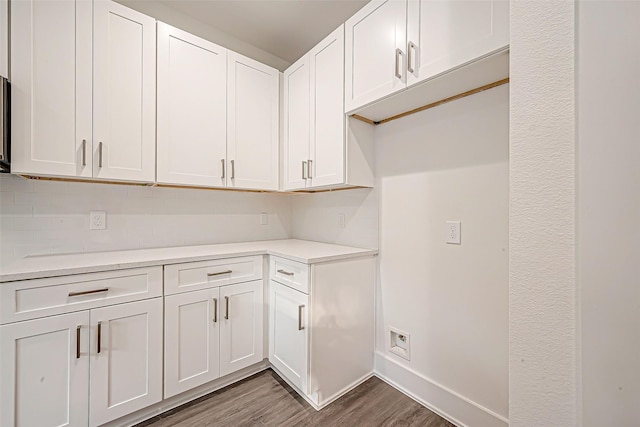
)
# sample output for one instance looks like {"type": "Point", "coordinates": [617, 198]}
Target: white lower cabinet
{"type": "Point", "coordinates": [211, 333]}
{"type": "Point", "coordinates": [126, 359]}
{"type": "Point", "coordinates": [321, 325]}
{"type": "Point", "coordinates": [191, 340]}
{"type": "Point", "coordinates": [44, 371]}
{"type": "Point", "coordinates": [288, 333]}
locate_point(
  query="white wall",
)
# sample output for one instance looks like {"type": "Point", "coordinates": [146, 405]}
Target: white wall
{"type": "Point", "coordinates": [542, 226]}
{"type": "Point", "coordinates": [609, 210]}
{"type": "Point", "coordinates": [447, 163]}
{"type": "Point", "coordinates": [315, 217]}
{"type": "Point", "coordinates": [43, 217]}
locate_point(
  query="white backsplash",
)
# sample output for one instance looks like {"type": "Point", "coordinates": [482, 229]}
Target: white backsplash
{"type": "Point", "coordinates": [50, 217]}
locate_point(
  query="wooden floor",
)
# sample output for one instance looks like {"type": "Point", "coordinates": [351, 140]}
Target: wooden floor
{"type": "Point", "coordinates": [265, 400]}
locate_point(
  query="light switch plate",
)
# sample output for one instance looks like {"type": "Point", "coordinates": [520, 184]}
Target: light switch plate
{"type": "Point", "coordinates": [453, 233]}
{"type": "Point", "coordinates": [264, 218]}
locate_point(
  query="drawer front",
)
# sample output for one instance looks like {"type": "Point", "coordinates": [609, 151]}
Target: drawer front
{"type": "Point", "coordinates": [290, 273]}
{"type": "Point", "coordinates": [193, 276]}
{"type": "Point", "coordinates": [30, 299]}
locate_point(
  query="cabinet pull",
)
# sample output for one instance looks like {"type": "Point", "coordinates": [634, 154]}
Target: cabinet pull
{"type": "Point", "coordinates": [78, 342]}
{"type": "Point", "coordinates": [93, 291]}
{"type": "Point", "coordinates": [285, 272]}
{"type": "Point", "coordinates": [226, 303]}
{"type": "Point", "coordinates": [222, 161]}
{"type": "Point", "coordinates": [304, 170]}
{"type": "Point", "coordinates": [100, 154]}
{"type": "Point", "coordinates": [411, 47]}
{"type": "Point", "coordinates": [233, 169]}
{"type": "Point", "coordinates": [398, 55]}
{"type": "Point", "coordinates": [84, 152]}
{"type": "Point", "coordinates": [300, 327]}
{"type": "Point", "coordinates": [309, 169]}
{"type": "Point", "coordinates": [215, 310]}
{"type": "Point", "coordinates": [99, 335]}
{"type": "Point", "coordinates": [220, 273]}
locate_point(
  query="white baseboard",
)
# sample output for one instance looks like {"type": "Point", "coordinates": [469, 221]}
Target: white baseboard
{"type": "Point", "coordinates": [438, 398]}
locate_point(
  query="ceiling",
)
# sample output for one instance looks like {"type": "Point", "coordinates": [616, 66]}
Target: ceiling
{"type": "Point", "coordinates": [284, 28]}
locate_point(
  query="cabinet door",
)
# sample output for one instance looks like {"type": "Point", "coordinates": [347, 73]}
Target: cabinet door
{"type": "Point", "coordinates": [51, 87]}
{"type": "Point", "coordinates": [124, 90]}
{"type": "Point", "coordinates": [126, 359]}
{"type": "Point", "coordinates": [288, 333]}
{"type": "Point", "coordinates": [191, 336]}
{"type": "Point", "coordinates": [192, 109]}
{"type": "Point", "coordinates": [43, 377]}
{"type": "Point", "coordinates": [252, 124]}
{"type": "Point", "coordinates": [375, 52]}
{"type": "Point", "coordinates": [327, 111]}
{"type": "Point", "coordinates": [241, 326]}
{"type": "Point", "coordinates": [443, 35]}
{"type": "Point", "coordinates": [297, 130]}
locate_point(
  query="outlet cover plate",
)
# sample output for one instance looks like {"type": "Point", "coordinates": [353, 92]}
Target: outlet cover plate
{"type": "Point", "coordinates": [453, 233]}
{"type": "Point", "coordinates": [97, 220]}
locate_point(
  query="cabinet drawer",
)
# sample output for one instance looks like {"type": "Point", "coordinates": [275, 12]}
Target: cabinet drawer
{"type": "Point", "coordinates": [290, 273]}
{"type": "Point", "coordinates": [30, 299]}
{"type": "Point", "coordinates": [207, 274]}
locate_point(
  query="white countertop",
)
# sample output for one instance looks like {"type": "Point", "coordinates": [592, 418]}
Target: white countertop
{"type": "Point", "coordinates": [34, 267]}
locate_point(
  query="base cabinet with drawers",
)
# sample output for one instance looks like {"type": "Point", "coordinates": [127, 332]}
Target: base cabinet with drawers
{"type": "Point", "coordinates": [321, 325]}
{"type": "Point", "coordinates": [217, 329]}
{"type": "Point", "coordinates": [96, 363]}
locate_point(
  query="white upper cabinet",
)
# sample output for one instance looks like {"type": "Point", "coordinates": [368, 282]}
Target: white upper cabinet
{"type": "Point", "coordinates": [322, 149]}
{"type": "Point", "coordinates": [51, 73]}
{"type": "Point", "coordinates": [192, 109]}
{"type": "Point", "coordinates": [124, 93]}
{"type": "Point", "coordinates": [252, 124]}
{"type": "Point", "coordinates": [392, 44]}
{"type": "Point", "coordinates": [443, 35]}
{"type": "Point", "coordinates": [83, 93]}
{"type": "Point", "coordinates": [297, 125]}
{"type": "Point", "coordinates": [4, 38]}
{"type": "Point", "coordinates": [375, 52]}
{"type": "Point", "coordinates": [327, 153]}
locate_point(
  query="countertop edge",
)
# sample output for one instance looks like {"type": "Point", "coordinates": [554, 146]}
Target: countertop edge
{"type": "Point", "coordinates": [350, 252]}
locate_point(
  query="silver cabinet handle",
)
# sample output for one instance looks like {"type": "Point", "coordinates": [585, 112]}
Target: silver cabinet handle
{"type": "Point", "coordinates": [411, 47]}
{"type": "Point", "coordinates": [220, 273]}
{"type": "Point", "coordinates": [398, 55]}
{"type": "Point", "coordinates": [309, 169]}
{"type": "Point", "coordinates": [300, 327]}
{"type": "Point", "coordinates": [100, 154]}
{"type": "Point", "coordinates": [84, 152]}
{"type": "Point", "coordinates": [93, 291]}
{"type": "Point", "coordinates": [226, 312]}
{"type": "Point", "coordinates": [215, 310]}
{"type": "Point", "coordinates": [99, 335]}
{"type": "Point", "coordinates": [285, 272]}
{"type": "Point", "coordinates": [233, 169]}
{"type": "Point", "coordinates": [78, 342]}
{"type": "Point", "coordinates": [304, 170]}
{"type": "Point", "coordinates": [222, 161]}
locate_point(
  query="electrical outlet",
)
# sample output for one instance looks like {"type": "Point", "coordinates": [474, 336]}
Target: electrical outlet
{"type": "Point", "coordinates": [453, 232]}
{"type": "Point", "coordinates": [341, 220]}
{"type": "Point", "coordinates": [264, 218]}
{"type": "Point", "coordinates": [97, 220]}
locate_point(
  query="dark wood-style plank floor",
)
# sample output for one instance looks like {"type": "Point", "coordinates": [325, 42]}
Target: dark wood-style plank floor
{"type": "Point", "coordinates": [265, 400]}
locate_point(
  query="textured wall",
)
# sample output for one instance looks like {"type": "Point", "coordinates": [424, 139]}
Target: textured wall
{"type": "Point", "coordinates": [42, 217]}
{"type": "Point", "coordinates": [609, 210]}
{"type": "Point", "coordinates": [542, 283]}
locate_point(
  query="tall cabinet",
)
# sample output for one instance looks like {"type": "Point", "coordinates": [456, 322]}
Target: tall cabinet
{"type": "Point", "coordinates": [323, 149]}
{"type": "Point", "coordinates": [83, 90]}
